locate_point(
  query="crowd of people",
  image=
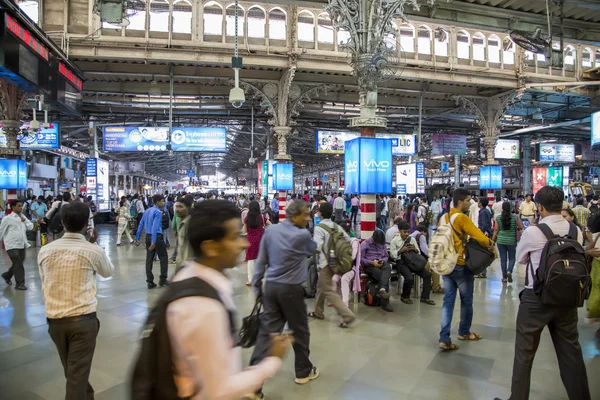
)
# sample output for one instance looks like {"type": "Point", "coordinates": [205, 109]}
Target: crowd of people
{"type": "Point", "coordinates": [212, 232]}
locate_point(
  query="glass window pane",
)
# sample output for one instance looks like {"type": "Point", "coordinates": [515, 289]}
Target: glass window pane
{"type": "Point", "coordinates": [494, 49]}
{"type": "Point", "coordinates": [407, 39]}
{"type": "Point", "coordinates": [325, 30]}
{"type": "Point", "coordinates": [31, 8]}
{"type": "Point", "coordinates": [230, 20]}
{"type": "Point", "coordinates": [277, 24]}
{"type": "Point", "coordinates": [213, 19]}
{"type": "Point", "coordinates": [463, 44]}
{"type": "Point", "coordinates": [508, 48]}
{"type": "Point", "coordinates": [306, 27]}
{"type": "Point", "coordinates": [424, 41]}
{"type": "Point", "coordinates": [256, 23]}
{"type": "Point", "coordinates": [586, 57]}
{"type": "Point", "coordinates": [478, 48]}
{"type": "Point", "coordinates": [343, 36]}
{"type": "Point", "coordinates": [597, 63]}
{"type": "Point", "coordinates": [441, 43]}
{"type": "Point", "coordinates": [159, 16]}
{"type": "Point", "coordinates": [570, 56]}
{"type": "Point", "coordinates": [137, 16]}
{"type": "Point", "coordinates": [182, 17]}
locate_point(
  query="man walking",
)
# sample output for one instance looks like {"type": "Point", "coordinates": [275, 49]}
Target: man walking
{"type": "Point", "coordinates": [68, 268]}
{"type": "Point", "coordinates": [139, 207]}
{"type": "Point", "coordinates": [38, 212]}
{"type": "Point", "coordinates": [285, 248]}
{"type": "Point", "coordinates": [534, 316]}
{"type": "Point", "coordinates": [155, 241]}
{"type": "Point", "coordinates": [183, 208]}
{"type": "Point", "coordinates": [322, 238]}
{"type": "Point", "coordinates": [339, 206]}
{"type": "Point", "coordinates": [581, 213]}
{"type": "Point", "coordinates": [56, 208]}
{"type": "Point", "coordinates": [13, 230]}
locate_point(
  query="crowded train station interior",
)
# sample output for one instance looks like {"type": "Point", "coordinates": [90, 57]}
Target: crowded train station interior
{"type": "Point", "coordinates": [320, 185]}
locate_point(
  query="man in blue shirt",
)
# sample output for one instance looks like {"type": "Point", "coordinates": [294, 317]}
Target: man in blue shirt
{"type": "Point", "coordinates": [285, 248]}
{"type": "Point", "coordinates": [155, 241]}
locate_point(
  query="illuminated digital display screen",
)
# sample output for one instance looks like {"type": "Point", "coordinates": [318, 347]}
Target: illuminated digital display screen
{"type": "Point", "coordinates": [16, 29]}
{"type": "Point", "coordinates": [70, 76]}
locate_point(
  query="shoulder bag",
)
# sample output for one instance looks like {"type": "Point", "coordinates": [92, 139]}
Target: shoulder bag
{"type": "Point", "coordinates": [477, 258]}
{"type": "Point", "coordinates": [413, 260]}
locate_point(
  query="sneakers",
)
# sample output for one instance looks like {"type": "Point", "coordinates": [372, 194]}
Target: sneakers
{"type": "Point", "coordinates": [21, 287]}
{"type": "Point", "coordinates": [385, 305]}
{"type": "Point", "coordinates": [383, 294]}
{"type": "Point", "coordinates": [314, 374]}
{"type": "Point", "coordinates": [509, 276]}
{"type": "Point", "coordinates": [163, 283]}
{"type": "Point", "coordinates": [7, 280]}
{"type": "Point", "coordinates": [151, 285]}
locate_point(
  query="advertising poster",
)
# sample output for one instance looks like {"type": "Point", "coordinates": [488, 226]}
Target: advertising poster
{"type": "Point", "coordinates": [265, 177]}
{"type": "Point", "coordinates": [595, 129]}
{"type": "Point", "coordinates": [420, 177]}
{"type": "Point", "coordinates": [259, 182]}
{"type": "Point", "coordinates": [13, 174]}
{"type": "Point", "coordinates": [283, 176]}
{"type": "Point", "coordinates": [490, 177]}
{"type": "Point", "coordinates": [402, 145]}
{"type": "Point", "coordinates": [507, 149]}
{"type": "Point", "coordinates": [539, 179]}
{"type": "Point", "coordinates": [552, 152]}
{"type": "Point", "coordinates": [45, 138]}
{"type": "Point", "coordinates": [102, 188]}
{"type": "Point", "coordinates": [448, 144]}
{"type": "Point", "coordinates": [554, 177]}
{"type": "Point", "coordinates": [406, 175]}
{"type": "Point", "coordinates": [334, 142]}
{"type": "Point", "coordinates": [351, 161]}
{"type": "Point", "coordinates": [91, 167]}
{"type": "Point", "coordinates": [368, 166]}
{"type": "Point", "coordinates": [156, 138]}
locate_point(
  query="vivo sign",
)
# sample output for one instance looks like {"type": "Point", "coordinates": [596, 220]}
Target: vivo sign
{"type": "Point", "coordinates": [13, 174]}
{"type": "Point", "coordinates": [368, 164]}
{"type": "Point", "coordinates": [379, 165]}
{"type": "Point", "coordinates": [283, 175]}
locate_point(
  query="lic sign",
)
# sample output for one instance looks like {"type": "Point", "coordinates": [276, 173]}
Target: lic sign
{"type": "Point", "coordinates": [283, 176]}
{"type": "Point", "coordinates": [368, 166]}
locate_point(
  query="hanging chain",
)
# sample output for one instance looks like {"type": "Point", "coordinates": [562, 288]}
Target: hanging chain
{"type": "Point", "coordinates": [235, 50]}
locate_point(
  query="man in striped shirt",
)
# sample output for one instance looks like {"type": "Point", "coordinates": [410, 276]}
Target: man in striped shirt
{"type": "Point", "coordinates": [68, 268]}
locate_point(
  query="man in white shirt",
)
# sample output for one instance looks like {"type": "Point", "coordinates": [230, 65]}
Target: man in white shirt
{"type": "Point", "coordinates": [497, 207]}
{"type": "Point", "coordinates": [422, 211]}
{"type": "Point", "coordinates": [339, 206]}
{"type": "Point", "coordinates": [392, 232]}
{"type": "Point", "coordinates": [13, 230]}
{"type": "Point", "coordinates": [533, 316]}
{"type": "Point", "coordinates": [68, 268]}
{"type": "Point", "coordinates": [436, 210]}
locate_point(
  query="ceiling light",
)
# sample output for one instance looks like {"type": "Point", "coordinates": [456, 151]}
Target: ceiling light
{"type": "Point", "coordinates": [154, 89]}
{"type": "Point", "coordinates": [537, 115]}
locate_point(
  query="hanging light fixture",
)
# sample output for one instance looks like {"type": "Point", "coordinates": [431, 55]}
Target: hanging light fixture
{"type": "Point", "coordinates": [154, 89]}
{"type": "Point", "coordinates": [537, 115]}
{"type": "Point", "coordinates": [236, 94]}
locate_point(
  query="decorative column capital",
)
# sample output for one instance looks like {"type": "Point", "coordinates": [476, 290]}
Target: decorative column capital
{"type": "Point", "coordinates": [11, 130]}
{"type": "Point", "coordinates": [282, 133]}
{"type": "Point", "coordinates": [490, 147]}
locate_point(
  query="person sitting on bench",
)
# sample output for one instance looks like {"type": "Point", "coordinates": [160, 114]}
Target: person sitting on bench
{"type": "Point", "coordinates": [374, 259]}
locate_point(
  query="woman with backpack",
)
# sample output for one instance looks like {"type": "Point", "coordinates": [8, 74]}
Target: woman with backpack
{"type": "Point", "coordinates": [255, 224]}
{"type": "Point", "coordinates": [123, 217]}
{"type": "Point", "coordinates": [505, 236]}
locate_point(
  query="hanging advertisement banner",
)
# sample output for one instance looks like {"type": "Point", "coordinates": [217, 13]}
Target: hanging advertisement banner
{"type": "Point", "coordinates": [102, 188]}
{"type": "Point", "coordinates": [334, 141]}
{"type": "Point", "coordinates": [420, 167]}
{"type": "Point", "coordinates": [490, 178]}
{"type": "Point", "coordinates": [156, 138]}
{"type": "Point", "coordinates": [552, 152]}
{"type": "Point", "coordinates": [507, 149]}
{"type": "Point", "coordinates": [448, 144]}
{"type": "Point", "coordinates": [259, 181]}
{"type": "Point", "coordinates": [13, 174]}
{"type": "Point", "coordinates": [554, 177]}
{"type": "Point", "coordinates": [283, 176]}
{"type": "Point", "coordinates": [595, 129]}
{"type": "Point", "coordinates": [406, 176]}
{"type": "Point", "coordinates": [539, 179]}
{"type": "Point", "coordinates": [91, 166]}
{"type": "Point", "coordinates": [368, 166]}
{"type": "Point", "coordinates": [265, 177]}
{"type": "Point", "coordinates": [44, 138]}
{"type": "Point", "coordinates": [402, 145]}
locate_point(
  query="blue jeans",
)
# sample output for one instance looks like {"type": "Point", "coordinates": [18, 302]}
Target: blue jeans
{"type": "Point", "coordinates": [507, 258]}
{"type": "Point", "coordinates": [462, 279]}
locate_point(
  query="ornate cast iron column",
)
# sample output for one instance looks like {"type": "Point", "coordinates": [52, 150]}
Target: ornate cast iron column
{"type": "Point", "coordinates": [12, 101]}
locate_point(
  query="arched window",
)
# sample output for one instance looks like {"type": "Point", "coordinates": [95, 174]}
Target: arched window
{"type": "Point", "coordinates": [407, 38]}
{"type": "Point", "coordinates": [257, 20]}
{"type": "Point", "coordinates": [441, 42]}
{"type": "Point", "coordinates": [137, 16]}
{"type": "Point", "coordinates": [424, 40]}
{"type": "Point", "coordinates": [597, 63]}
{"type": "Point", "coordinates": [31, 8]}
{"type": "Point", "coordinates": [277, 24]}
{"type": "Point", "coordinates": [213, 19]}
{"type": "Point", "coordinates": [182, 17]}
{"type": "Point", "coordinates": [494, 49]}
{"type": "Point", "coordinates": [325, 29]}
{"type": "Point", "coordinates": [508, 51]}
{"type": "Point", "coordinates": [230, 20]}
{"type": "Point", "coordinates": [463, 44]}
{"type": "Point", "coordinates": [159, 16]}
{"type": "Point", "coordinates": [570, 56]}
{"type": "Point", "coordinates": [306, 26]}
{"type": "Point", "coordinates": [343, 36]}
{"type": "Point", "coordinates": [478, 47]}
{"type": "Point", "coordinates": [586, 57]}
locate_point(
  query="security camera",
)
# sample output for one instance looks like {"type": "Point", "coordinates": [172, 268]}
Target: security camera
{"type": "Point", "coordinates": [34, 125]}
{"type": "Point", "coordinates": [237, 97]}
{"type": "Point", "coordinates": [46, 125]}
{"type": "Point", "coordinates": [252, 160]}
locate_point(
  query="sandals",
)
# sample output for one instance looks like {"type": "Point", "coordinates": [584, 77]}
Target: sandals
{"type": "Point", "coordinates": [248, 283]}
{"type": "Point", "coordinates": [448, 346]}
{"type": "Point", "coordinates": [406, 300]}
{"type": "Point", "coordinates": [315, 316]}
{"type": "Point", "coordinates": [471, 336]}
{"type": "Point", "coordinates": [428, 301]}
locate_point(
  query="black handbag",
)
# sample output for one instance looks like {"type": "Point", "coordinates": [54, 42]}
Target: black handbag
{"type": "Point", "coordinates": [477, 257]}
{"type": "Point", "coordinates": [414, 261]}
{"type": "Point", "coordinates": [250, 324]}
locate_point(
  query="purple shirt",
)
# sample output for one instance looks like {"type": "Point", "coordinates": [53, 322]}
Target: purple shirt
{"type": "Point", "coordinates": [370, 251]}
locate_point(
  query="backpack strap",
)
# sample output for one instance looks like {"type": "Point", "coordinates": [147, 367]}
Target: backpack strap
{"type": "Point", "coordinates": [547, 231]}
{"type": "Point", "coordinates": [573, 233]}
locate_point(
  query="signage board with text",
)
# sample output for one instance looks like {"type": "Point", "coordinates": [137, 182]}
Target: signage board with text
{"type": "Point", "coordinates": [406, 176]}
{"type": "Point", "coordinates": [553, 152]}
{"type": "Point", "coordinates": [44, 138]}
{"type": "Point", "coordinates": [283, 176]}
{"type": "Point", "coordinates": [13, 174]}
{"type": "Point", "coordinates": [102, 187]}
{"type": "Point", "coordinates": [595, 129]}
{"type": "Point", "coordinates": [509, 149]}
{"type": "Point", "coordinates": [368, 166]}
{"type": "Point", "coordinates": [490, 177]}
{"type": "Point", "coordinates": [448, 144]}
{"type": "Point", "coordinates": [156, 138]}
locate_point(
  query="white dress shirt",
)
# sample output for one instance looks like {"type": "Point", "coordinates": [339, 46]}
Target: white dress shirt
{"type": "Point", "coordinates": [203, 352]}
{"type": "Point", "coordinates": [390, 234]}
{"type": "Point", "coordinates": [14, 232]}
{"type": "Point", "coordinates": [533, 241]}
{"type": "Point", "coordinates": [139, 206]}
{"type": "Point", "coordinates": [339, 203]}
{"type": "Point", "coordinates": [67, 269]}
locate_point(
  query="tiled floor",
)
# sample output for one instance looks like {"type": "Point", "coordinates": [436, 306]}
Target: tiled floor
{"type": "Point", "coordinates": [385, 356]}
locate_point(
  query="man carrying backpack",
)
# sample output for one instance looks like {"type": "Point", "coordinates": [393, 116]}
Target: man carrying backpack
{"type": "Point", "coordinates": [328, 236]}
{"type": "Point", "coordinates": [553, 304]}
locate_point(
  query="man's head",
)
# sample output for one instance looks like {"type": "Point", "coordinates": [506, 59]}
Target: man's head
{"type": "Point", "coordinates": [404, 229]}
{"type": "Point", "coordinates": [498, 198]}
{"type": "Point", "coordinates": [462, 200]}
{"type": "Point", "coordinates": [397, 220]}
{"type": "Point", "coordinates": [422, 200]}
{"type": "Point", "coordinates": [528, 198]}
{"type": "Point", "coordinates": [33, 198]}
{"type": "Point", "coordinates": [90, 198]}
{"type": "Point", "coordinates": [435, 197]}
{"type": "Point", "coordinates": [579, 201]}
{"type": "Point", "coordinates": [135, 197]}
{"type": "Point", "coordinates": [158, 200]}
{"type": "Point", "coordinates": [422, 229]}
{"type": "Point", "coordinates": [16, 206]}
{"type": "Point", "coordinates": [40, 199]}
{"type": "Point", "coordinates": [75, 217]}
{"type": "Point", "coordinates": [326, 210]}
{"type": "Point", "coordinates": [378, 237]}
{"type": "Point", "coordinates": [549, 200]}
{"type": "Point", "coordinates": [340, 194]}
{"type": "Point", "coordinates": [183, 206]}
{"type": "Point", "coordinates": [214, 234]}
{"type": "Point", "coordinates": [483, 202]}
{"type": "Point", "coordinates": [298, 213]}
{"type": "Point", "coordinates": [66, 196]}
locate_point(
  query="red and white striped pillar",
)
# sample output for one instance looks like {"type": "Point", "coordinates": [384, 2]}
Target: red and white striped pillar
{"type": "Point", "coordinates": [368, 216]}
{"type": "Point", "coordinates": [282, 204]}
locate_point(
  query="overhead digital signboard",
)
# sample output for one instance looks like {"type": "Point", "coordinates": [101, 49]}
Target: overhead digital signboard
{"type": "Point", "coordinates": [406, 179]}
{"type": "Point", "coordinates": [13, 174]}
{"type": "Point", "coordinates": [490, 177]}
{"type": "Point", "coordinates": [368, 166]}
{"type": "Point", "coordinates": [509, 149]}
{"type": "Point", "coordinates": [596, 129]}
{"type": "Point", "coordinates": [335, 142]}
{"type": "Point", "coordinates": [552, 152]}
{"type": "Point", "coordinates": [147, 138]}
{"type": "Point", "coordinates": [44, 138]}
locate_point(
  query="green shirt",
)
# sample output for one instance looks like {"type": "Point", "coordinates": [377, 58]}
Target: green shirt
{"type": "Point", "coordinates": [507, 237]}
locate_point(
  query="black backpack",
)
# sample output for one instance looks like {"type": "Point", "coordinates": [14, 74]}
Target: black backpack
{"type": "Point", "coordinates": [166, 221]}
{"type": "Point", "coordinates": [152, 377]}
{"type": "Point", "coordinates": [563, 278]}
{"type": "Point", "coordinates": [371, 298]}
{"type": "Point", "coordinates": [56, 225]}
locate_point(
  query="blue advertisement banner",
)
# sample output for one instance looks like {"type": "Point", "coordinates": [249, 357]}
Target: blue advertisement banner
{"type": "Point", "coordinates": [91, 167]}
{"type": "Point", "coordinates": [420, 170]}
{"type": "Point", "coordinates": [13, 174]}
{"type": "Point", "coordinates": [444, 167]}
{"type": "Point", "coordinates": [135, 138]}
{"type": "Point", "coordinates": [490, 177]}
{"type": "Point", "coordinates": [368, 166]}
{"type": "Point", "coordinates": [283, 176]}
{"type": "Point", "coordinates": [401, 189]}
{"type": "Point", "coordinates": [191, 173]}
{"type": "Point", "coordinates": [45, 138]}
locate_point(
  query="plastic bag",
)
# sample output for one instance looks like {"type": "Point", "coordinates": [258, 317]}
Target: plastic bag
{"type": "Point", "coordinates": [593, 302]}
